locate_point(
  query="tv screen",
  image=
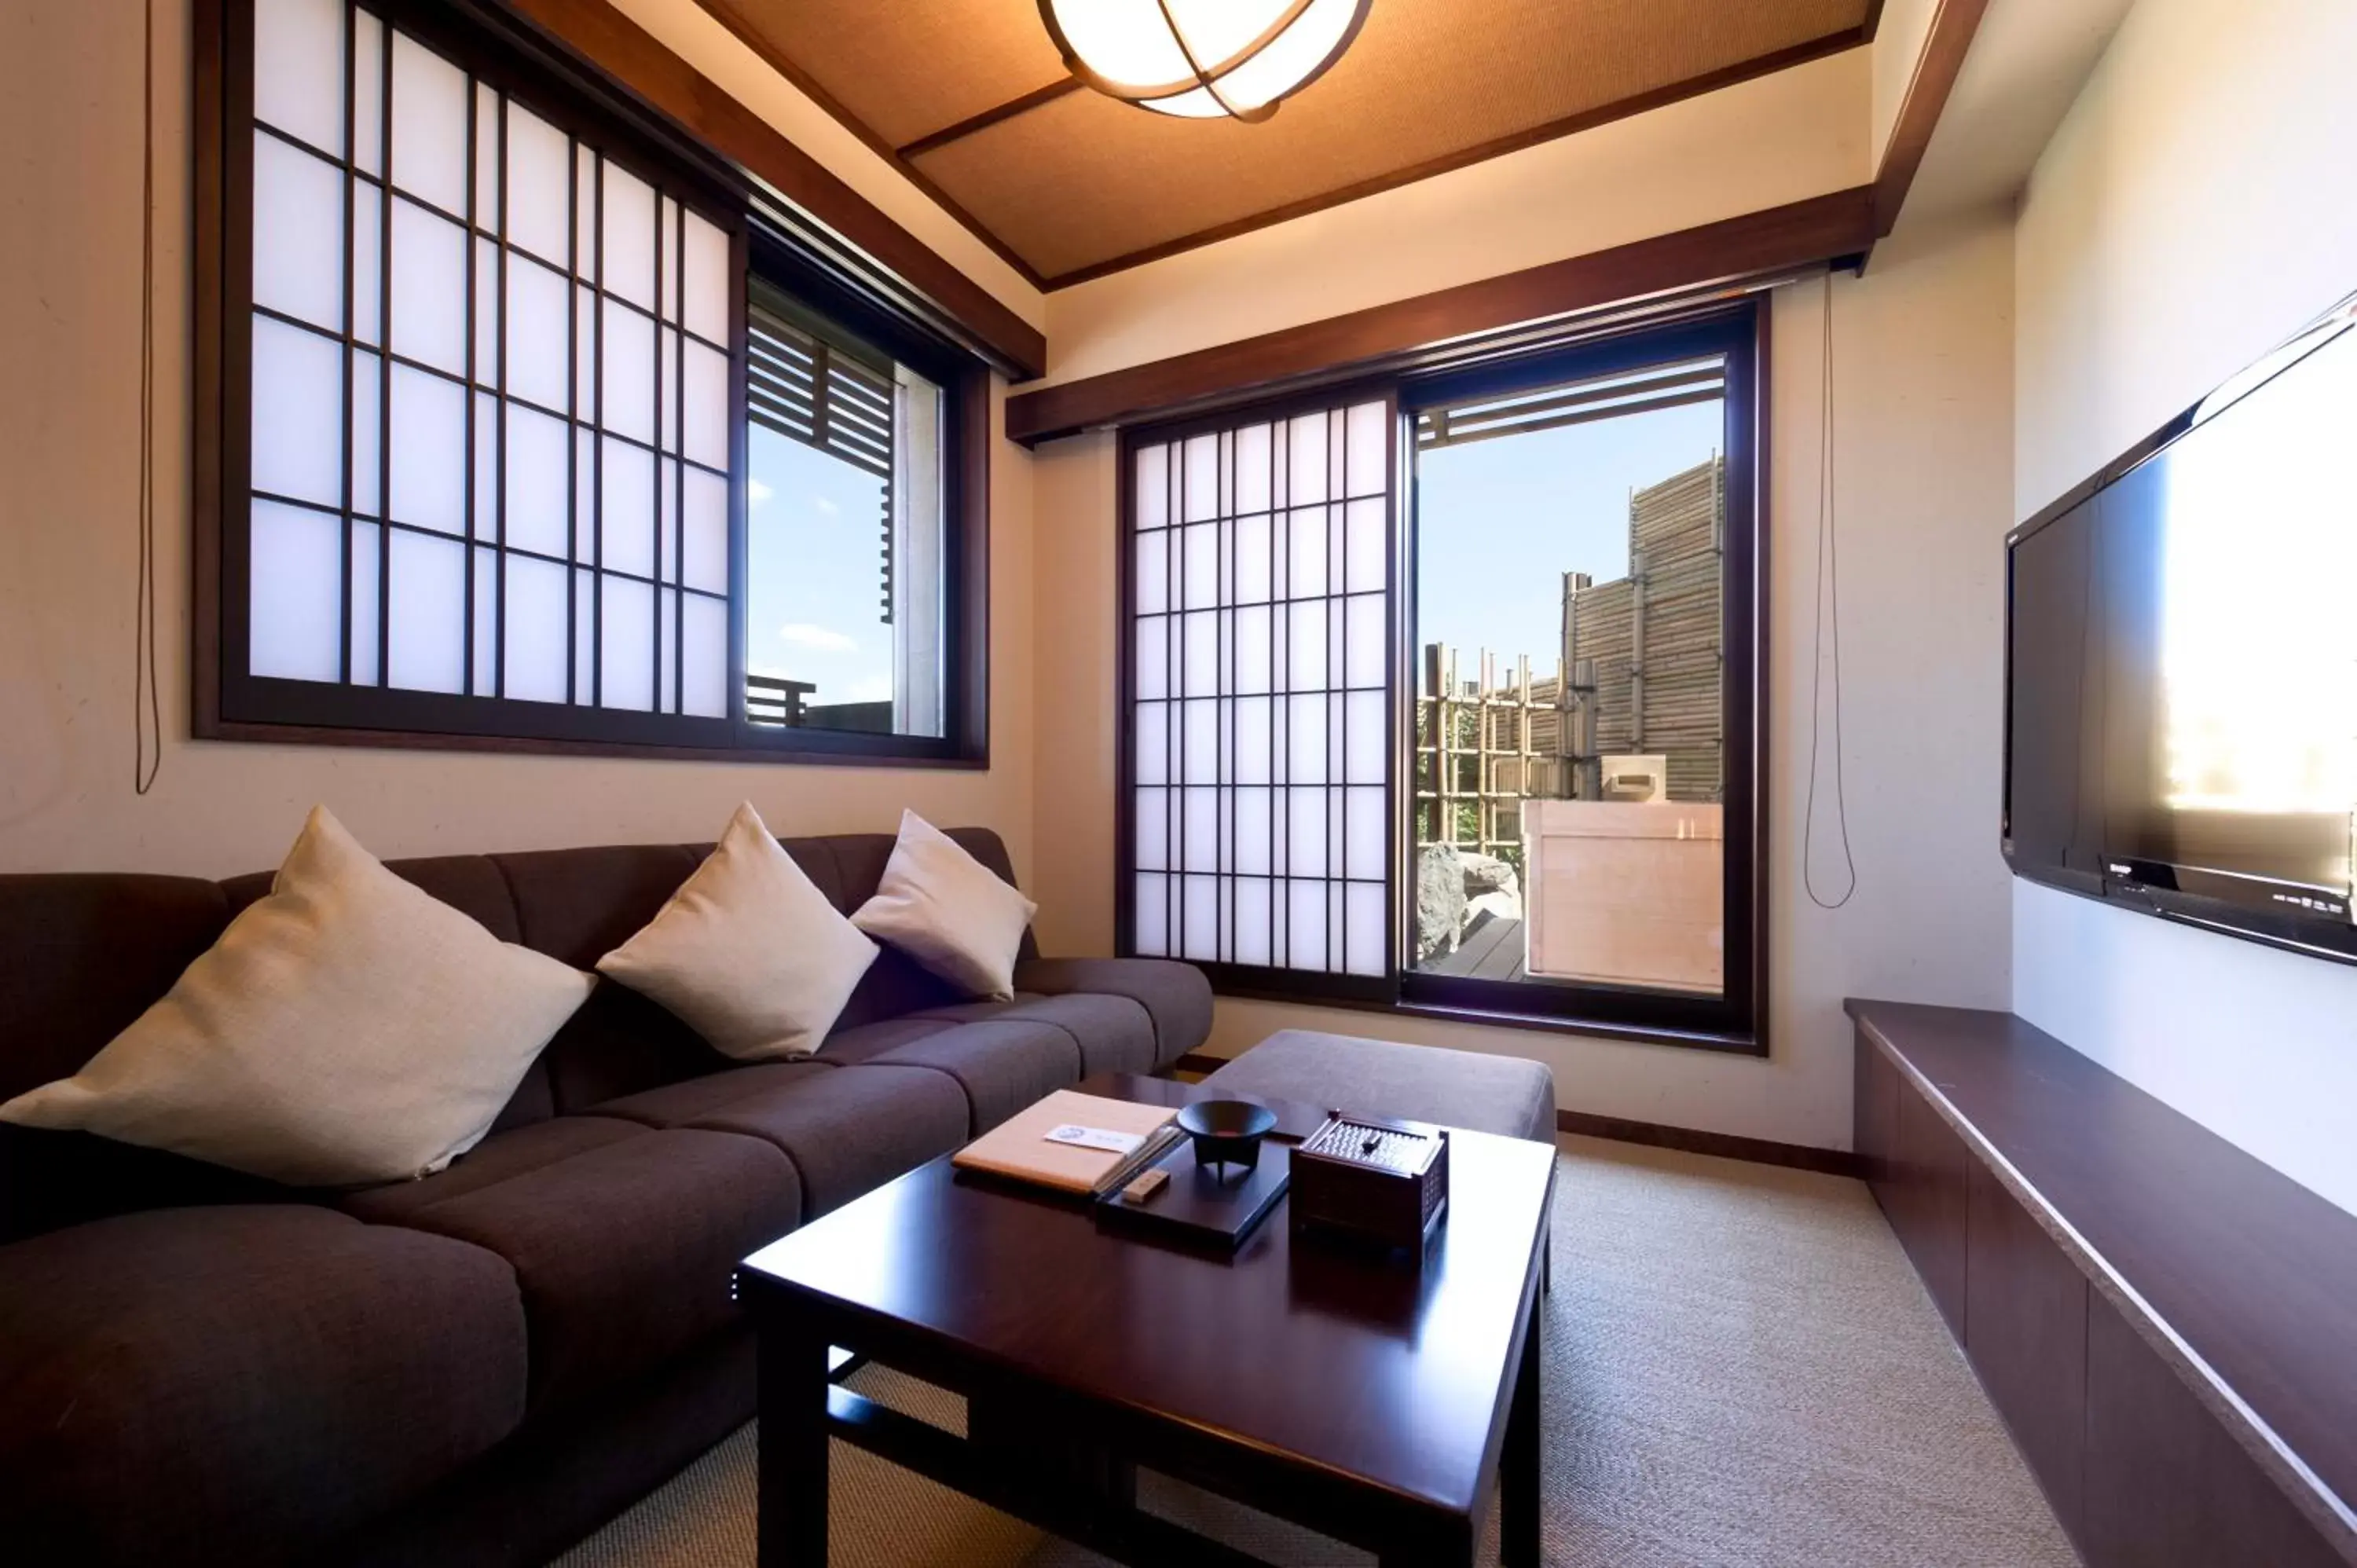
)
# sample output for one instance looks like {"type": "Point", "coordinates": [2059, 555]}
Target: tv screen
{"type": "Point", "coordinates": [2181, 663]}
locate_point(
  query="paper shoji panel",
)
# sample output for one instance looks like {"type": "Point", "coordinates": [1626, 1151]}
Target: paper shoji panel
{"type": "Point", "coordinates": [1261, 717]}
{"type": "Point", "coordinates": [490, 383]}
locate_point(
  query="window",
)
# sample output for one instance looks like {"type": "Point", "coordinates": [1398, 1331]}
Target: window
{"type": "Point", "coordinates": [511, 447]}
{"type": "Point", "coordinates": [1479, 743]}
{"type": "Point", "coordinates": [844, 541]}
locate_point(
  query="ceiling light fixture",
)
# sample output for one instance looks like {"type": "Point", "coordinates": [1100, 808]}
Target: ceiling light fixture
{"type": "Point", "coordinates": [1201, 59]}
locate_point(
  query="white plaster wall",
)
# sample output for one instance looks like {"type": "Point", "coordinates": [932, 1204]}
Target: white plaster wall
{"type": "Point", "coordinates": [2197, 205]}
{"type": "Point", "coordinates": [1898, 40]}
{"type": "Point", "coordinates": [1778, 138]}
{"type": "Point", "coordinates": [1077, 688]}
{"type": "Point", "coordinates": [1923, 359]}
{"type": "Point", "coordinates": [2027, 61]}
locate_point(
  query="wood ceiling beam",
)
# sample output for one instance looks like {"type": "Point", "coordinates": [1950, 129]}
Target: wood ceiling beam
{"type": "Point", "coordinates": [1757, 245]}
{"type": "Point", "coordinates": [638, 61]}
{"type": "Point", "coordinates": [988, 117]}
{"type": "Point", "coordinates": [1949, 39]}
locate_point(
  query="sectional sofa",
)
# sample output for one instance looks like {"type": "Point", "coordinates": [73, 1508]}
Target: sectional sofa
{"type": "Point", "coordinates": [480, 1367]}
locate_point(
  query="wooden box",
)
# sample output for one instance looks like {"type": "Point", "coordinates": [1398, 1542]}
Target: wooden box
{"type": "Point", "coordinates": [1623, 893]}
{"type": "Point", "coordinates": [1377, 1181]}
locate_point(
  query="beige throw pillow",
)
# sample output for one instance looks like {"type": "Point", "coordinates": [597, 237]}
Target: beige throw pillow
{"type": "Point", "coordinates": [748, 951]}
{"type": "Point", "coordinates": [948, 911]}
{"type": "Point", "coordinates": [348, 1027]}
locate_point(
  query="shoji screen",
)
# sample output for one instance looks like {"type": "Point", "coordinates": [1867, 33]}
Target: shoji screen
{"type": "Point", "coordinates": [490, 385]}
{"type": "Point", "coordinates": [1258, 820]}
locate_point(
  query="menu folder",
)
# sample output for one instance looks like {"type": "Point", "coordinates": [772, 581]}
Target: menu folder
{"type": "Point", "coordinates": [1019, 1148]}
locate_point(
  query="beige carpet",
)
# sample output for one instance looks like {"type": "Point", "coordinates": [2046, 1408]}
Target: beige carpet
{"type": "Point", "coordinates": [1741, 1371]}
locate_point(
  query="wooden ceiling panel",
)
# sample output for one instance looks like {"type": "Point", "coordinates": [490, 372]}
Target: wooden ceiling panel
{"type": "Point", "coordinates": [1076, 183]}
{"type": "Point", "coordinates": [904, 69]}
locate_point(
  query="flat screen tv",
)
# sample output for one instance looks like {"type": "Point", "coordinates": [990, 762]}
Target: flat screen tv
{"type": "Point", "coordinates": [2181, 663]}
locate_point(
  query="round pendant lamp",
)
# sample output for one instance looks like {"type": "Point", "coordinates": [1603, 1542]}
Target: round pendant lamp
{"type": "Point", "coordinates": [1202, 59]}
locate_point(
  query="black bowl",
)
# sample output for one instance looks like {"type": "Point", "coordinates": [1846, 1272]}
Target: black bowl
{"type": "Point", "coordinates": [1226, 1131]}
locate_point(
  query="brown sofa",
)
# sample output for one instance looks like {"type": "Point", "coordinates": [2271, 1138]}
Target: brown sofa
{"type": "Point", "coordinates": [197, 1367]}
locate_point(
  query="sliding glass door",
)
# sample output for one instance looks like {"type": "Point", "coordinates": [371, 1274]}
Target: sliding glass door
{"type": "Point", "coordinates": [1444, 697]}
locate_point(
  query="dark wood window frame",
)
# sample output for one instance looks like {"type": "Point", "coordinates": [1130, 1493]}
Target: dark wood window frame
{"type": "Point", "coordinates": [496, 49]}
{"type": "Point", "coordinates": [1734, 1022]}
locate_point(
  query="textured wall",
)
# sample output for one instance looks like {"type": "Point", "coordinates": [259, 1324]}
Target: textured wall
{"type": "Point", "coordinates": [1779, 138]}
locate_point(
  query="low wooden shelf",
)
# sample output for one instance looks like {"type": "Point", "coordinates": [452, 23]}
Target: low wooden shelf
{"type": "Point", "coordinates": [2168, 1325]}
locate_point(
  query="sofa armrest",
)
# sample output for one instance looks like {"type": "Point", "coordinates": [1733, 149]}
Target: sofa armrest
{"type": "Point", "coordinates": [1175, 995]}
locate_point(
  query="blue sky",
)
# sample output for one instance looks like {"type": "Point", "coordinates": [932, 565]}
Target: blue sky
{"type": "Point", "coordinates": [1499, 522]}
{"type": "Point", "coordinates": [815, 590]}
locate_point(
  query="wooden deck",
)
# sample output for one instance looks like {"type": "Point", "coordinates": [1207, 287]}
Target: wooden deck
{"type": "Point", "coordinates": [1492, 950]}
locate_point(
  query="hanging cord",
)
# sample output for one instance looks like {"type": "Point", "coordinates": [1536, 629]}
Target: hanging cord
{"type": "Point", "coordinates": [146, 695]}
{"type": "Point", "coordinates": [1828, 615]}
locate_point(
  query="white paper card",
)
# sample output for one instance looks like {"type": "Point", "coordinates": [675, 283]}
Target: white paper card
{"type": "Point", "coordinates": [1094, 1138]}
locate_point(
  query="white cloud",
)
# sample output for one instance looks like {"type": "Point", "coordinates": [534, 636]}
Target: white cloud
{"type": "Point", "coordinates": [826, 506]}
{"type": "Point", "coordinates": [872, 689]}
{"type": "Point", "coordinates": [802, 634]}
{"type": "Point", "coordinates": [756, 492]}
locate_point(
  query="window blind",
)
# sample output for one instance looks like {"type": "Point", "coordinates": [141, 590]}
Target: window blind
{"type": "Point", "coordinates": [801, 385]}
{"type": "Point", "coordinates": [813, 391]}
{"type": "Point", "coordinates": [1259, 800]}
{"type": "Point", "coordinates": [490, 449]}
{"type": "Point", "coordinates": [1607, 397]}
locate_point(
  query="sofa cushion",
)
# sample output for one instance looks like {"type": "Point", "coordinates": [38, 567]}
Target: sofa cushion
{"type": "Point", "coordinates": [1175, 996]}
{"type": "Point", "coordinates": [578, 905]}
{"type": "Point", "coordinates": [1113, 1034]}
{"type": "Point", "coordinates": [860, 860]}
{"type": "Point", "coordinates": [850, 1128]}
{"type": "Point", "coordinates": [624, 1252]}
{"type": "Point", "coordinates": [849, 1047]}
{"type": "Point", "coordinates": [894, 986]}
{"type": "Point", "coordinates": [748, 950]}
{"type": "Point", "coordinates": [678, 1104]}
{"type": "Point", "coordinates": [472, 885]}
{"type": "Point", "coordinates": [950, 912]}
{"type": "Point", "coordinates": [86, 955]}
{"type": "Point", "coordinates": [816, 858]}
{"type": "Point", "coordinates": [619, 1043]}
{"type": "Point", "coordinates": [347, 1027]}
{"type": "Point", "coordinates": [240, 1385]}
{"type": "Point", "coordinates": [49, 1179]}
{"type": "Point", "coordinates": [1001, 1066]}
{"type": "Point", "coordinates": [498, 1158]}
{"type": "Point", "coordinates": [584, 903]}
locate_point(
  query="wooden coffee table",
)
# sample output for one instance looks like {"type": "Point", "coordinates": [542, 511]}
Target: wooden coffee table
{"type": "Point", "coordinates": [1370, 1403]}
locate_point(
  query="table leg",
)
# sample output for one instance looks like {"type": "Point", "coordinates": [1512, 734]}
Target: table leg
{"type": "Point", "coordinates": [1445, 1546]}
{"type": "Point", "coordinates": [1519, 1480]}
{"type": "Point", "coordinates": [791, 1522]}
{"type": "Point", "coordinates": [1047, 1444]}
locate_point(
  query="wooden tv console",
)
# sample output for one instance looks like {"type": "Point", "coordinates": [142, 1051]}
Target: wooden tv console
{"type": "Point", "coordinates": [2168, 1325]}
